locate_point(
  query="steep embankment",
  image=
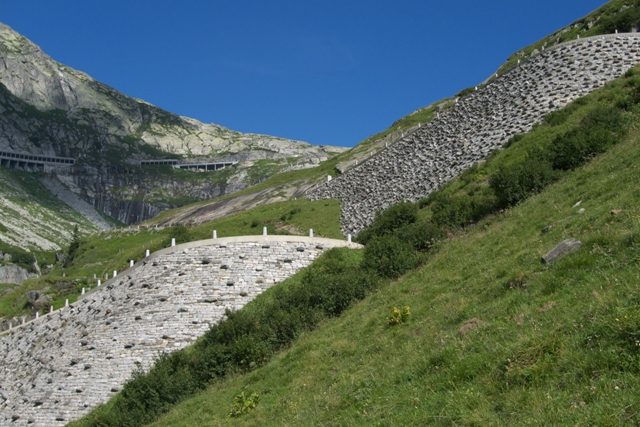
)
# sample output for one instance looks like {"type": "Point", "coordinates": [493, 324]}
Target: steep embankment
{"type": "Point", "coordinates": [50, 109]}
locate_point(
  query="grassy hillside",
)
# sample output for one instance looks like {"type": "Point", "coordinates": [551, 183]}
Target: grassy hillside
{"type": "Point", "coordinates": [494, 336]}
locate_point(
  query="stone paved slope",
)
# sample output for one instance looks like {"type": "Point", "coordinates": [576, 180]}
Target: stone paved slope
{"type": "Point", "coordinates": [466, 133]}
{"type": "Point", "coordinates": [57, 368]}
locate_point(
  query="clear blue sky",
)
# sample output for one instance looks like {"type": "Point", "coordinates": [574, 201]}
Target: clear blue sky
{"type": "Point", "coordinates": [326, 72]}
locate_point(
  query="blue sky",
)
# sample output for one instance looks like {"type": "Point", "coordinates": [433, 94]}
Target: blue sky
{"type": "Point", "coordinates": [326, 72]}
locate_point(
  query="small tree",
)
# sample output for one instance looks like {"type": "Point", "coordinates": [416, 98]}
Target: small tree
{"type": "Point", "coordinates": [73, 247]}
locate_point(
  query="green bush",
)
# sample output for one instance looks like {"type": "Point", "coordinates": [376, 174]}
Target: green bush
{"type": "Point", "coordinates": [72, 252]}
{"type": "Point", "coordinates": [459, 211]}
{"type": "Point", "coordinates": [181, 233]}
{"type": "Point", "coordinates": [388, 256]}
{"type": "Point", "coordinates": [387, 221]}
{"type": "Point", "coordinates": [623, 21]}
{"type": "Point", "coordinates": [514, 183]}
{"type": "Point", "coordinates": [573, 148]}
{"type": "Point", "coordinates": [515, 138]}
{"type": "Point", "coordinates": [421, 235]}
{"type": "Point", "coordinates": [558, 117]}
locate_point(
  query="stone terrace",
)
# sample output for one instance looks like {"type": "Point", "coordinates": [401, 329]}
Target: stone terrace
{"type": "Point", "coordinates": [58, 367]}
{"type": "Point", "coordinates": [477, 124]}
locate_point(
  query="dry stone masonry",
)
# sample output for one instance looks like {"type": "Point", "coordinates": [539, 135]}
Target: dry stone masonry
{"type": "Point", "coordinates": [60, 366]}
{"type": "Point", "coordinates": [477, 124]}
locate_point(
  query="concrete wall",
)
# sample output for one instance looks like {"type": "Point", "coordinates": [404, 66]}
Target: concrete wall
{"type": "Point", "coordinates": [57, 368]}
{"type": "Point", "coordinates": [466, 133]}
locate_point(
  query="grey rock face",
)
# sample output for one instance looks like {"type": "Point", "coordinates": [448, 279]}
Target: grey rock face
{"type": "Point", "coordinates": [563, 248]}
{"type": "Point", "coordinates": [14, 274]}
{"type": "Point", "coordinates": [477, 124]}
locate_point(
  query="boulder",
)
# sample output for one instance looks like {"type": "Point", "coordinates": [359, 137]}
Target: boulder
{"type": "Point", "coordinates": [14, 274]}
{"type": "Point", "coordinates": [563, 248]}
{"type": "Point", "coordinates": [38, 300]}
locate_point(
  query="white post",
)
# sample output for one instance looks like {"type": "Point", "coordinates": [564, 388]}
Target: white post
{"type": "Point", "coordinates": [94, 276]}
{"type": "Point", "coordinates": [99, 282]}
{"type": "Point", "coordinates": [173, 241]}
{"type": "Point", "coordinates": [51, 309]}
{"type": "Point", "coordinates": [106, 276]}
{"type": "Point", "coordinates": [349, 238]}
{"type": "Point", "coordinates": [264, 231]}
{"type": "Point", "coordinates": [66, 303]}
{"type": "Point", "coordinates": [22, 320]}
{"type": "Point", "coordinates": [37, 314]}
{"type": "Point", "coordinates": [130, 263]}
{"type": "Point", "coordinates": [115, 273]}
{"type": "Point", "coordinates": [146, 253]}
{"type": "Point", "coordinates": [311, 232]}
{"type": "Point", "coordinates": [10, 326]}
{"type": "Point", "coordinates": [215, 234]}
{"type": "Point", "coordinates": [82, 291]}
{"type": "Point", "coordinates": [476, 87]}
{"type": "Point", "coordinates": [616, 31]}
{"type": "Point", "coordinates": [328, 178]}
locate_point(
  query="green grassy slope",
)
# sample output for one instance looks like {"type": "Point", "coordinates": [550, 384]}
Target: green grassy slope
{"type": "Point", "coordinates": [495, 337]}
{"type": "Point", "coordinates": [561, 347]}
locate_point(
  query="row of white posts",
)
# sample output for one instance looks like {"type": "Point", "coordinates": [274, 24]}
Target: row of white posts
{"type": "Point", "coordinates": [132, 262]}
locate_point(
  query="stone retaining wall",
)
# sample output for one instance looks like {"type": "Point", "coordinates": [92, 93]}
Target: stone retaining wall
{"type": "Point", "coordinates": [477, 124]}
{"type": "Point", "coordinates": [57, 368]}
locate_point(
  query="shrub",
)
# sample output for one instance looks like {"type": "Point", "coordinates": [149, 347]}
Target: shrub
{"type": "Point", "coordinates": [558, 117]}
{"type": "Point", "coordinates": [514, 183]}
{"type": "Point", "coordinates": [573, 148]}
{"type": "Point", "coordinates": [73, 248]}
{"type": "Point", "coordinates": [515, 138]}
{"type": "Point", "coordinates": [388, 221]}
{"type": "Point", "coordinates": [609, 118]}
{"type": "Point", "coordinates": [388, 256]}
{"type": "Point", "coordinates": [421, 235]}
{"type": "Point", "coordinates": [255, 223]}
{"type": "Point", "coordinates": [459, 211]}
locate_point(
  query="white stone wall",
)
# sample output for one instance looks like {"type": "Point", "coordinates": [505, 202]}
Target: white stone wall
{"type": "Point", "coordinates": [56, 368]}
{"type": "Point", "coordinates": [466, 133]}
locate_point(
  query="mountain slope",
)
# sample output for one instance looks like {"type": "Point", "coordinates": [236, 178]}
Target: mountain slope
{"type": "Point", "coordinates": [47, 108]}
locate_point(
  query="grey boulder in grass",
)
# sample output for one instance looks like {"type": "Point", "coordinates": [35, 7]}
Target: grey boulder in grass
{"type": "Point", "coordinates": [563, 248]}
